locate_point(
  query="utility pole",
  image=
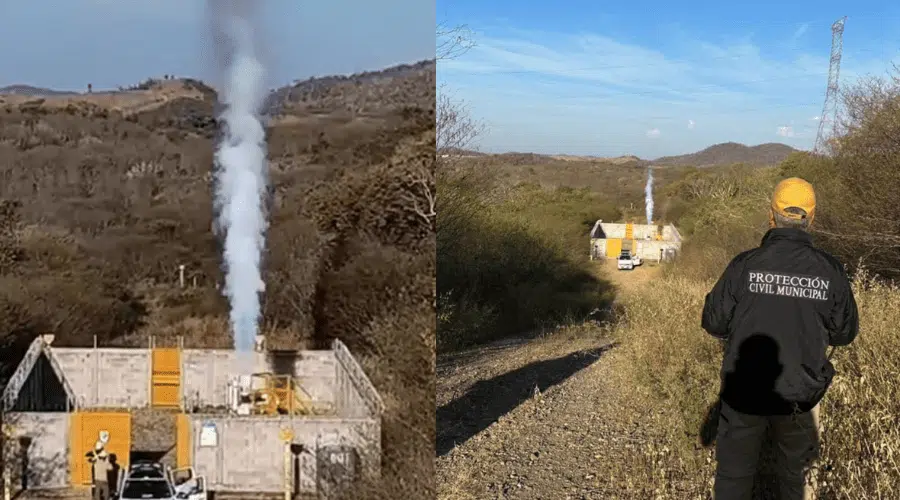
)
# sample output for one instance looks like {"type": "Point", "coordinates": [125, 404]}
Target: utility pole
{"type": "Point", "coordinates": [829, 109]}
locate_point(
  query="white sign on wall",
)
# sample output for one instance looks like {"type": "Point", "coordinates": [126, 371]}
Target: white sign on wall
{"type": "Point", "coordinates": [209, 436]}
{"type": "Point", "coordinates": [104, 437]}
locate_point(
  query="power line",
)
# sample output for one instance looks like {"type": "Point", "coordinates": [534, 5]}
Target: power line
{"type": "Point", "coordinates": [686, 115]}
{"type": "Point", "coordinates": [492, 70]}
{"type": "Point", "coordinates": [667, 93]}
{"type": "Point", "coordinates": [829, 109]}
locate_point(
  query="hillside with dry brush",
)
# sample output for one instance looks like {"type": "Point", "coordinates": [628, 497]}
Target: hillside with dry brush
{"type": "Point", "coordinates": [104, 196]}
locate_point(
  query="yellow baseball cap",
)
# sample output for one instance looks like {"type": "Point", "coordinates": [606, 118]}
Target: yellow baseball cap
{"type": "Point", "coordinates": [794, 192]}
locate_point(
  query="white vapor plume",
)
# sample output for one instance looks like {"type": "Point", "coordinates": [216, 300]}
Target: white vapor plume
{"type": "Point", "coordinates": [648, 196]}
{"type": "Point", "coordinates": [240, 164]}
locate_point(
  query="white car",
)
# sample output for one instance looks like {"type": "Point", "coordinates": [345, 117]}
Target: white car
{"type": "Point", "coordinates": [636, 260]}
{"type": "Point", "coordinates": [625, 262]}
{"type": "Point", "coordinates": [148, 480]}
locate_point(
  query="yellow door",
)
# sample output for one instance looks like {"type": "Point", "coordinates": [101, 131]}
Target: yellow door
{"type": "Point", "coordinates": [613, 247]}
{"type": "Point", "coordinates": [84, 432]}
{"type": "Point", "coordinates": [166, 378]}
{"type": "Point", "coordinates": [182, 441]}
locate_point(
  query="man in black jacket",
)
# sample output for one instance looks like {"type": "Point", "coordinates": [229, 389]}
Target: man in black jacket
{"type": "Point", "coordinates": [777, 307]}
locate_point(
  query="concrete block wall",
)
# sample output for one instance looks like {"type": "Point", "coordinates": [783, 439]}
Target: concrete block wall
{"type": "Point", "coordinates": [107, 377]}
{"type": "Point", "coordinates": [120, 377]}
{"type": "Point", "coordinates": [348, 401]}
{"type": "Point", "coordinates": [640, 231]}
{"type": "Point", "coordinates": [356, 396]}
{"type": "Point", "coordinates": [249, 455]}
{"type": "Point", "coordinates": [670, 233]}
{"type": "Point", "coordinates": [47, 457]}
{"type": "Point", "coordinates": [315, 371]}
{"type": "Point", "coordinates": [650, 250]}
{"type": "Point", "coordinates": [613, 230]}
{"type": "Point", "coordinates": [206, 373]}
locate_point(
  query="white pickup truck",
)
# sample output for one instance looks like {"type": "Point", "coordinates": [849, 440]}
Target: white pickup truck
{"type": "Point", "coordinates": [627, 262]}
{"type": "Point", "coordinates": [148, 480]}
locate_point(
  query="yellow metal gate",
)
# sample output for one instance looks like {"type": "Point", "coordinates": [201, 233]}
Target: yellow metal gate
{"type": "Point", "coordinates": [183, 444]}
{"type": "Point", "coordinates": [165, 391]}
{"type": "Point", "coordinates": [84, 432]}
{"type": "Point", "coordinates": [613, 247]}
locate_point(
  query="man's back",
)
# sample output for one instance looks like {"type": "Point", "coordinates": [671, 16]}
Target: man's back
{"type": "Point", "coordinates": [102, 467]}
{"type": "Point", "coordinates": [779, 306]}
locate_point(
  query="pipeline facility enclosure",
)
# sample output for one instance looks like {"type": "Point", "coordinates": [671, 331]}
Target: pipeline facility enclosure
{"type": "Point", "coordinates": [264, 421]}
{"type": "Point", "coordinates": [650, 242]}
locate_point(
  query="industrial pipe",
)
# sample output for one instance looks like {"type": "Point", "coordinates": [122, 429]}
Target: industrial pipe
{"type": "Point", "coordinates": [288, 476]}
{"type": "Point", "coordinates": [287, 435]}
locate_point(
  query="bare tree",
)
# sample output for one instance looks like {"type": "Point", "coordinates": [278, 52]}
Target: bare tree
{"type": "Point", "coordinates": [862, 219]}
{"type": "Point", "coordinates": [453, 42]}
{"type": "Point", "coordinates": [455, 127]}
{"type": "Point", "coordinates": [421, 195]}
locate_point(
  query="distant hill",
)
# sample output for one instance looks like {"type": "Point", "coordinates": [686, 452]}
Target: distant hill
{"type": "Point", "coordinates": [462, 152]}
{"type": "Point", "coordinates": [28, 90]}
{"type": "Point", "coordinates": [370, 92]}
{"type": "Point", "coordinates": [617, 160]}
{"type": "Point", "coordinates": [395, 87]}
{"type": "Point", "coordinates": [516, 158]}
{"type": "Point", "coordinates": [731, 152]}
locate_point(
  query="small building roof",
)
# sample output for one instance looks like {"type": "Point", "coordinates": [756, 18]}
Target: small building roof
{"type": "Point", "coordinates": [37, 358]}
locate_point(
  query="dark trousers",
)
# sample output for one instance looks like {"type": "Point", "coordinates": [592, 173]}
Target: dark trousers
{"type": "Point", "coordinates": [101, 490]}
{"type": "Point", "coordinates": [740, 439]}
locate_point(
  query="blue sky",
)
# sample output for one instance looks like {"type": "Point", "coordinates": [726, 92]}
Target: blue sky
{"type": "Point", "coordinates": [64, 44]}
{"type": "Point", "coordinates": [657, 77]}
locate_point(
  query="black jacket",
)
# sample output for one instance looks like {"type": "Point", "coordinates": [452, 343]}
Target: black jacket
{"type": "Point", "coordinates": [779, 307]}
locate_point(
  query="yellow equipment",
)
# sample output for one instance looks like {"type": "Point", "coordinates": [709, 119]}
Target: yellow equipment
{"type": "Point", "coordinates": [282, 395]}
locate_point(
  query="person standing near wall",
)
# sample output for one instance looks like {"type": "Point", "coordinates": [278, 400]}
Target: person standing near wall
{"type": "Point", "coordinates": [99, 458]}
{"type": "Point", "coordinates": [778, 307]}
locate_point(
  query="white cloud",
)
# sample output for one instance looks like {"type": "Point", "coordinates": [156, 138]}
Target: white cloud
{"type": "Point", "coordinates": [593, 94]}
{"type": "Point", "coordinates": [785, 131]}
{"type": "Point", "coordinates": [801, 30]}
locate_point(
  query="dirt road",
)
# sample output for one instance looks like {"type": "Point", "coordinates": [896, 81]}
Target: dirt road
{"type": "Point", "coordinates": [540, 418]}
{"type": "Point", "coordinates": [627, 282]}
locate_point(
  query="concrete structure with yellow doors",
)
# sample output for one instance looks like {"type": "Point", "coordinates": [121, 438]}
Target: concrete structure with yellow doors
{"type": "Point", "coordinates": [60, 399]}
{"type": "Point", "coordinates": [654, 243]}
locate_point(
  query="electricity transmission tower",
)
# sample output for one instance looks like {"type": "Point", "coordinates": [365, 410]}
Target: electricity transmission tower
{"type": "Point", "coordinates": [829, 109]}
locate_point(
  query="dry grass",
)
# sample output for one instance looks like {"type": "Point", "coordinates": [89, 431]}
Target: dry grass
{"type": "Point", "coordinates": [627, 426]}
{"type": "Point", "coordinates": [674, 364]}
